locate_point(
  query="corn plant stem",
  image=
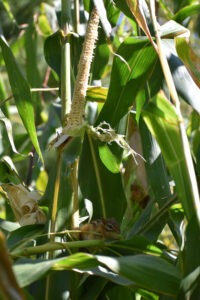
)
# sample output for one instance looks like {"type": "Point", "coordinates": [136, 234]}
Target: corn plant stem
{"type": "Point", "coordinates": [44, 89]}
{"type": "Point", "coordinates": [55, 196]}
{"type": "Point", "coordinates": [74, 178]}
{"type": "Point", "coordinates": [65, 60]}
{"type": "Point", "coordinates": [47, 291]}
{"type": "Point", "coordinates": [65, 79]}
{"type": "Point", "coordinates": [98, 177]}
{"type": "Point", "coordinates": [53, 246]}
{"type": "Point", "coordinates": [30, 251]}
{"type": "Point", "coordinates": [76, 16]}
{"type": "Point", "coordinates": [186, 148]}
{"type": "Point", "coordinates": [53, 216]}
{"type": "Point", "coordinates": [32, 90]}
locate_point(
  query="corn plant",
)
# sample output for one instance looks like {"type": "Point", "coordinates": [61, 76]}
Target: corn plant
{"type": "Point", "coordinates": [99, 150]}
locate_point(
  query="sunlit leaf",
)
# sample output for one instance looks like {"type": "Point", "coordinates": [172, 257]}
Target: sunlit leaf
{"type": "Point", "coordinates": [136, 7]}
{"type": "Point", "coordinates": [8, 226]}
{"type": "Point", "coordinates": [29, 270]}
{"type": "Point", "coordinates": [44, 25]}
{"type": "Point", "coordinates": [42, 181]}
{"type": "Point", "coordinates": [184, 83]}
{"type": "Point", "coordinates": [48, 18]}
{"type": "Point", "coordinates": [172, 28]}
{"type": "Point", "coordinates": [125, 84]}
{"type": "Point", "coordinates": [150, 272]}
{"type": "Point", "coordinates": [189, 58]}
{"type": "Point", "coordinates": [97, 94]}
{"type": "Point", "coordinates": [8, 10]}
{"type": "Point", "coordinates": [103, 17]}
{"type": "Point", "coordinates": [162, 122]}
{"type": "Point", "coordinates": [186, 12]}
{"type": "Point", "coordinates": [112, 11]}
{"type": "Point", "coordinates": [104, 272]}
{"type": "Point", "coordinates": [108, 158]}
{"type": "Point", "coordinates": [43, 20]}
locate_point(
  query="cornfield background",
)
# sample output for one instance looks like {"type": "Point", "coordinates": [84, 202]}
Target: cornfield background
{"type": "Point", "coordinates": [99, 111]}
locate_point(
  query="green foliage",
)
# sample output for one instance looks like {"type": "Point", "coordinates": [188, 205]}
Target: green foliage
{"type": "Point", "coordinates": [21, 93]}
{"type": "Point", "coordinates": [82, 178]}
{"type": "Point", "coordinates": [163, 124]}
{"type": "Point", "coordinates": [126, 80]}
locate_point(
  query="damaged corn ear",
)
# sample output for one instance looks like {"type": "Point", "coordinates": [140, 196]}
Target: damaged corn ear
{"type": "Point", "coordinates": [75, 118]}
{"type": "Point", "coordinates": [75, 123]}
{"type": "Point", "coordinates": [24, 204]}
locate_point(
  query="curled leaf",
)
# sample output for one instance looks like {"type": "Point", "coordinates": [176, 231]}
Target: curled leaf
{"type": "Point", "coordinates": [21, 93]}
{"type": "Point", "coordinates": [136, 7]}
{"type": "Point", "coordinates": [8, 127]}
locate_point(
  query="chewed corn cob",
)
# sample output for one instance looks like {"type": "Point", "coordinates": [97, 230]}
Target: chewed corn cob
{"type": "Point", "coordinates": [75, 118]}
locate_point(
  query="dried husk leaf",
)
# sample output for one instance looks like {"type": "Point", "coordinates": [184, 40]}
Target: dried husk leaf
{"type": "Point", "coordinates": [24, 204]}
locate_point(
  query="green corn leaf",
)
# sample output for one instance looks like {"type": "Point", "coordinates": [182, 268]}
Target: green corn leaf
{"type": "Point", "coordinates": [109, 159]}
{"type": "Point", "coordinates": [145, 271]}
{"type": "Point", "coordinates": [52, 51]}
{"type": "Point", "coordinates": [105, 189]}
{"type": "Point", "coordinates": [21, 93]}
{"type": "Point", "coordinates": [186, 12]}
{"type": "Point", "coordinates": [125, 83]}
{"type": "Point", "coordinates": [189, 58]}
{"type": "Point", "coordinates": [30, 270]}
{"type": "Point", "coordinates": [162, 122]}
{"type": "Point", "coordinates": [96, 94]}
